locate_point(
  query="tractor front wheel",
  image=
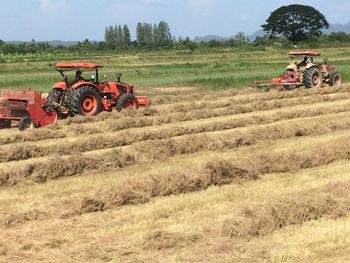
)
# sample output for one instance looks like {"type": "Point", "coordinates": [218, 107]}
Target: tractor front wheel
{"type": "Point", "coordinates": [313, 78]}
{"type": "Point", "coordinates": [86, 101]}
{"type": "Point", "coordinates": [335, 79]}
{"type": "Point", "coordinates": [127, 100]}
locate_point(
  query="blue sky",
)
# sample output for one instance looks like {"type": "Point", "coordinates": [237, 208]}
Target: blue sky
{"type": "Point", "coordinates": [80, 19]}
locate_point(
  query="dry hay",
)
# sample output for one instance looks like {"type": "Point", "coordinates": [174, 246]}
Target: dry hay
{"type": "Point", "coordinates": [20, 218]}
{"type": "Point", "coordinates": [331, 201]}
{"type": "Point", "coordinates": [251, 95]}
{"type": "Point", "coordinates": [163, 149]}
{"type": "Point", "coordinates": [160, 240]}
{"type": "Point", "coordinates": [56, 167]}
{"type": "Point", "coordinates": [147, 117]}
{"type": "Point", "coordinates": [32, 135]}
{"type": "Point", "coordinates": [22, 152]}
{"type": "Point", "coordinates": [215, 173]}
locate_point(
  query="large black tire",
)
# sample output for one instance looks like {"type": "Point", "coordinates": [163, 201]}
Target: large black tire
{"type": "Point", "coordinates": [54, 96]}
{"type": "Point", "coordinates": [335, 79]}
{"type": "Point", "coordinates": [25, 122]}
{"type": "Point", "coordinates": [85, 100]}
{"type": "Point", "coordinates": [313, 78]}
{"type": "Point", "coordinates": [127, 100]}
{"type": "Point", "coordinates": [53, 99]}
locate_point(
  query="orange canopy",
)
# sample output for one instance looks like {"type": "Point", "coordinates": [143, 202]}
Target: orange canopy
{"type": "Point", "coordinates": [77, 65]}
{"type": "Point", "coordinates": [310, 53]}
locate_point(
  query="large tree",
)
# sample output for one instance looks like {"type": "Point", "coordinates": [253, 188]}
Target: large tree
{"type": "Point", "coordinates": [296, 22]}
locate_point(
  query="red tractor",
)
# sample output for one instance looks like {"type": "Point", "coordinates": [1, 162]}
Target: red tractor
{"type": "Point", "coordinates": [79, 95]}
{"type": "Point", "coordinates": [303, 73]}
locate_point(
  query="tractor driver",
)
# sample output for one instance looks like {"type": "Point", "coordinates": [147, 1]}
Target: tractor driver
{"type": "Point", "coordinates": [303, 63]}
{"type": "Point", "coordinates": [78, 76]}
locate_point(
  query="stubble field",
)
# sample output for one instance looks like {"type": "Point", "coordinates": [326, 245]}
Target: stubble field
{"type": "Point", "coordinates": [225, 176]}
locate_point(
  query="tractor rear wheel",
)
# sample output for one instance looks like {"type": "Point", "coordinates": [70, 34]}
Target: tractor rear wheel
{"type": "Point", "coordinates": [335, 79]}
{"type": "Point", "coordinates": [127, 100]}
{"type": "Point", "coordinates": [313, 78]}
{"type": "Point", "coordinates": [86, 101]}
{"type": "Point", "coordinates": [25, 122]}
{"type": "Point", "coordinates": [54, 97]}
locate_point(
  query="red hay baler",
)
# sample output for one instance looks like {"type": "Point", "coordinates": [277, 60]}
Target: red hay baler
{"type": "Point", "coordinates": [24, 108]}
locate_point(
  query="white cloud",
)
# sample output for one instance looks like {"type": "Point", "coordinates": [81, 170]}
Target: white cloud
{"type": "Point", "coordinates": [201, 7]}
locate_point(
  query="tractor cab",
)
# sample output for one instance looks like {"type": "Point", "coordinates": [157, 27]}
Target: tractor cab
{"type": "Point", "coordinates": [302, 60]}
{"type": "Point", "coordinates": [74, 73]}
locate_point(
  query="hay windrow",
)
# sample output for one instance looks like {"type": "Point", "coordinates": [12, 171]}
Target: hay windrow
{"type": "Point", "coordinates": [332, 201]}
{"type": "Point", "coordinates": [216, 173]}
{"type": "Point", "coordinates": [160, 240]}
{"type": "Point", "coordinates": [251, 95]}
{"type": "Point", "coordinates": [96, 142]}
{"type": "Point", "coordinates": [149, 117]}
{"type": "Point", "coordinates": [57, 167]}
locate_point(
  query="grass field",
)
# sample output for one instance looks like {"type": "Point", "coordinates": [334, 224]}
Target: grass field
{"type": "Point", "coordinates": [233, 175]}
{"type": "Point", "coordinates": [214, 70]}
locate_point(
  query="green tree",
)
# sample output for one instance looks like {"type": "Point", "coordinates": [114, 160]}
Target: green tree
{"type": "Point", "coordinates": [119, 36]}
{"type": "Point", "coordinates": [340, 37]}
{"type": "Point", "coordinates": [140, 35]}
{"type": "Point", "coordinates": [188, 43]}
{"type": "Point", "coordinates": [240, 39]}
{"type": "Point", "coordinates": [163, 34]}
{"type": "Point", "coordinates": [126, 36]}
{"type": "Point", "coordinates": [144, 35]}
{"type": "Point", "coordinates": [296, 22]}
{"type": "Point", "coordinates": [109, 37]}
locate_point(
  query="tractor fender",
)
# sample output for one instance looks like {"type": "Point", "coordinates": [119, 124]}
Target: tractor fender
{"type": "Point", "coordinates": [60, 85]}
{"type": "Point", "coordinates": [83, 83]}
{"type": "Point", "coordinates": [310, 65]}
{"type": "Point", "coordinates": [292, 66]}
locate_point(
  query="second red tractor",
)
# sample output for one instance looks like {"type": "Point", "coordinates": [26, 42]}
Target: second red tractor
{"type": "Point", "coordinates": [303, 72]}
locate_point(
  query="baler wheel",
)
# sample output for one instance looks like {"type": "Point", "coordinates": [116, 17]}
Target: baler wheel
{"type": "Point", "coordinates": [25, 122]}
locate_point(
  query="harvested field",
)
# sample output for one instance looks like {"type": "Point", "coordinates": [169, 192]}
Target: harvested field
{"type": "Point", "coordinates": [192, 178]}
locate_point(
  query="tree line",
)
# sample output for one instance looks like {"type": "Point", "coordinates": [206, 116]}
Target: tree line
{"type": "Point", "coordinates": [147, 36]}
{"type": "Point", "coordinates": [285, 27]}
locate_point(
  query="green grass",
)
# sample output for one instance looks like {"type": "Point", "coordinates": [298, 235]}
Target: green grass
{"type": "Point", "coordinates": [208, 70]}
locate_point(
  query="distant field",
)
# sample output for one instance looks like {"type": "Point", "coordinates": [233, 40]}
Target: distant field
{"type": "Point", "coordinates": [214, 70]}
